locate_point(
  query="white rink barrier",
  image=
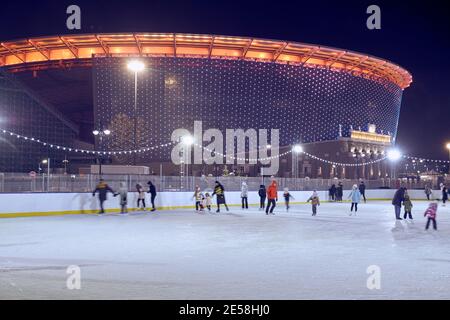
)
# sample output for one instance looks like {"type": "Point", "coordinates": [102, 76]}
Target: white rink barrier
{"type": "Point", "coordinates": [44, 204]}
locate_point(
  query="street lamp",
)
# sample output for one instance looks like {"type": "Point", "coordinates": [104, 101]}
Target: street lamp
{"type": "Point", "coordinates": [47, 162]}
{"type": "Point", "coordinates": [187, 141]}
{"type": "Point", "coordinates": [394, 155]}
{"type": "Point", "coordinates": [135, 66]}
{"type": "Point", "coordinates": [296, 150]}
{"type": "Point", "coordinates": [101, 134]}
{"type": "Point", "coordinates": [448, 148]}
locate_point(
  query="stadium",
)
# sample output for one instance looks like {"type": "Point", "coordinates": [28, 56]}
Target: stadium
{"type": "Point", "coordinates": [60, 88]}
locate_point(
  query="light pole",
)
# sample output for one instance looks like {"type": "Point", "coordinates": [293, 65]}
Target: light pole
{"type": "Point", "coordinates": [101, 134]}
{"type": "Point", "coordinates": [187, 141]}
{"type": "Point", "coordinates": [135, 66]}
{"type": "Point", "coordinates": [394, 156]}
{"type": "Point", "coordinates": [65, 162]}
{"type": "Point", "coordinates": [47, 162]}
{"type": "Point", "coordinates": [448, 148]}
{"type": "Point", "coordinates": [296, 150]}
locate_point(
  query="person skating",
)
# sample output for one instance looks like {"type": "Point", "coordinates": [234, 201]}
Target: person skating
{"type": "Point", "coordinates": [153, 193]}
{"type": "Point", "coordinates": [428, 192]}
{"type": "Point", "coordinates": [219, 192]}
{"type": "Point", "coordinates": [123, 198]}
{"type": "Point", "coordinates": [244, 195]}
{"type": "Point", "coordinates": [208, 201]}
{"type": "Point", "coordinates": [362, 190]}
{"type": "Point", "coordinates": [408, 206]}
{"type": "Point", "coordinates": [198, 197]}
{"type": "Point", "coordinates": [272, 197]}
{"type": "Point", "coordinates": [430, 213]}
{"type": "Point", "coordinates": [397, 201]}
{"type": "Point", "coordinates": [141, 196]}
{"type": "Point", "coordinates": [102, 189]}
{"type": "Point", "coordinates": [355, 196]}
{"type": "Point", "coordinates": [332, 193]}
{"type": "Point", "coordinates": [444, 195]}
{"type": "Point", "coordinates": [339, 192]}
{"type": "Point", "coordinates": [262, 192]}
{"type": "Point", "coordinates": [315, 202]}
{"type": "Point", "coordinates": [287, 197]}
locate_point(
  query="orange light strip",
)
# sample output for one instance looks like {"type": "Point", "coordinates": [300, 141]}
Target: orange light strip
{"type": "Point", "coordinates": [18, 54]}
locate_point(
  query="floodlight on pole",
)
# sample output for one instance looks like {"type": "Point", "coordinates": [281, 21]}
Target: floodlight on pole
{"type": "Point", "coordinates": [394, 155]}
{"type": "Point", "coordinates": [95, 132]}
{"type": "Point", "coordinates": [107, 132]}
{"type": "Point", "coordinates": [188, 140]}
{"type": "Point", "coordinates": [297, 149]}
{"type": "Point", "coordinates": [136, 66]}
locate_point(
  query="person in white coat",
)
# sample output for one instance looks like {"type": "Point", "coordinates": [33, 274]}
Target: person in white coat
{"type": "Point", "coordinates": [123, 193]}
{"type": "Point", "coordinates": [355, 196]}
{"type": "Point", "coordinates": [244, 195]}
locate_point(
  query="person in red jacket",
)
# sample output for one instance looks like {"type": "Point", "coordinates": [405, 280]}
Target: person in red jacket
{"type": "Point", "coordinates": [430, 213]}
{"type": "Point", "coordinates": [272, 197]}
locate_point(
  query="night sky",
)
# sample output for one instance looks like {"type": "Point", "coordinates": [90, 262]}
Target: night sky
{"type": "Point", "coordinates": [415, 36]}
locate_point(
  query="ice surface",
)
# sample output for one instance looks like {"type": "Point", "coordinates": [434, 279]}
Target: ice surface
{"type": "Point", "coordinates": [241, 255]}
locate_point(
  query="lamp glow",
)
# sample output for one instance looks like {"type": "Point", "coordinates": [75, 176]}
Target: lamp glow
{"type": "Point", "coordinates": [298, 149]}
{"type": "Point", "coordinates": [394, 155]}
{"type": "Point", "coordinates": [187, 140]}
{"type": "Point", "coordinates": [136, 66]}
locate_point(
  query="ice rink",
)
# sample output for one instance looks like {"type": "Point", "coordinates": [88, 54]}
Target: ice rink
{"type": "Point", "coordinates": [236, 255]}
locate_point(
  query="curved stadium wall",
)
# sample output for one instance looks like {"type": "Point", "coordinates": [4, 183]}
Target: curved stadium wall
{"type": "Point", "coordinates": [305, 103]}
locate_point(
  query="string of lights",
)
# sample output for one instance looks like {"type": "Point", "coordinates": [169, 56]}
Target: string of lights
{"type": "Point", "coordinates": [421, 160]}
{"type": "Point", "coordinates": [83, 151]}
{"type": "Point", "coordinates": [291, 151]}
{"type": "Point", "coordinates": [226, 156]}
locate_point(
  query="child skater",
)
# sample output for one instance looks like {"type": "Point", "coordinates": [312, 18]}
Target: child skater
{"type": "Point", "coordinates": [198, 196]}
{"type": "Point", "coordinates": [141, 196]}
{"type": "Point", "coordinates": [262, 192]}
{"type": "Point", "coordinates": [408, 206]}
{"type": "Point", "coordinates": [430, 213]}
{"type": "Point", "coordinates": [355, 195]}
{"type": "Point", "coordinates": [314, 202]}
{"type": "Point", "coordinates": [123, 193]}
{"type": "Point", "coordinates": [208, 201]}
{"type": "Point", "coordinates": [287, 197]}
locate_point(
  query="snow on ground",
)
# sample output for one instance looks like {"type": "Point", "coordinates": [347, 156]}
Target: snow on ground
{"type": "Point", "coordinates": [240, 255]}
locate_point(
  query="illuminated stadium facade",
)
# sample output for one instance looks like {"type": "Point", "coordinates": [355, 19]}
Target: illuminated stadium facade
{"type": "Point", "coordinates": [310, 93]}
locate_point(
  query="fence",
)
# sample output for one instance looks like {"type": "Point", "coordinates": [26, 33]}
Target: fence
{"type": "Point", "coordinates": [56, 183]}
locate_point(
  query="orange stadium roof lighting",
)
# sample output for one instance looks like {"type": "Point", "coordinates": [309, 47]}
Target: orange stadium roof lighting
{"type": "Point", "coordinates": [57, 51]}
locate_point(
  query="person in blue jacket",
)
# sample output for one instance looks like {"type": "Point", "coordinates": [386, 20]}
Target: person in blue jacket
{"type": "Point", "coordinates": [355, 195]}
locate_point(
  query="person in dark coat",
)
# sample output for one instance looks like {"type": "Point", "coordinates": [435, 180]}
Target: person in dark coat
{"type": "Point", "coordinates": [102, 189]}
{"type": "Point", "coordinates": [339, 192]}
{"type": "Point", "coordinates": [399, 198]}
{"type": "Point", "coordinates": [332, 192]}
{"type": "Point", "coordinates": [262, 197]}
{"type": "Point", "coordinates": [362, 190]}
{"type": "Point", "coordinates": [153, 193]}
{"type": "Point", "coordinates": [219, 192]}
{"type": "Point", "coordinates": [444, 195]}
